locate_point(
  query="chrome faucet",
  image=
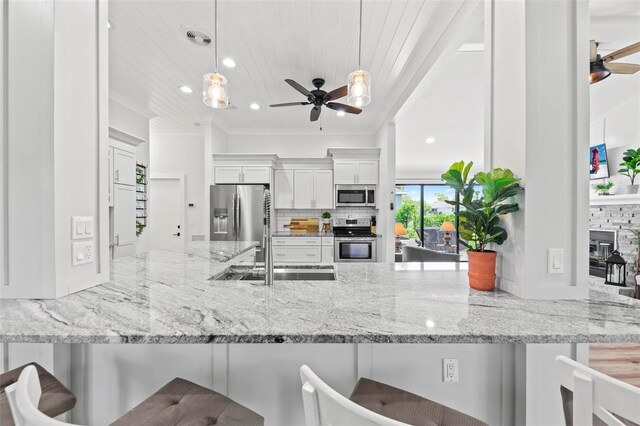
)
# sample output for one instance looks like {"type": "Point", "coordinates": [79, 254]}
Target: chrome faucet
{"type": "Point", "coordinates": [268, 253]}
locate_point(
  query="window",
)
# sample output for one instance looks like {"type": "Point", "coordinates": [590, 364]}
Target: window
{"type": "Point", "coordinates": [422, 209]}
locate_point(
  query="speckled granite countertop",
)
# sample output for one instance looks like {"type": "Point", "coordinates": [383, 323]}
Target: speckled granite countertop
{"type": "Point", "coordinates": [165, 296]}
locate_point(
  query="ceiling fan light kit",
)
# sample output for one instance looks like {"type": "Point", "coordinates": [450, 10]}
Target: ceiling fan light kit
{"type": "Point", "coordinates": [602, 67]}
{"type": "Point", "coordinates": [214, 90]}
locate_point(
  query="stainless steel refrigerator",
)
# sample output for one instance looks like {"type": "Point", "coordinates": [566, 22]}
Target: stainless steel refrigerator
{"type": "Point", "coordinates": [237, 213]}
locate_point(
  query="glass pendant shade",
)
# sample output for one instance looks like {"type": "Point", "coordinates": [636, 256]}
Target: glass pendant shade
{"type": "Point", "coordinates": [359, 89]}
{"type": "Point", "coordinates": [214, 90]}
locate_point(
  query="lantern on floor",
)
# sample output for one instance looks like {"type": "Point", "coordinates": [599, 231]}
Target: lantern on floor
{"type": "Point", "coordinates": [616, 269]}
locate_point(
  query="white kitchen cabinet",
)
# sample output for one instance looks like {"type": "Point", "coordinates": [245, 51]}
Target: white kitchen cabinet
{"type": "Point", "coordinates": [283, 189]}
{"type": "Point", "coordinates": [294, 254]}
{"type": "Point", "coordinates": [256, 174]}
{"type": "Point", "coordinates": [352, 172]}
{"type": "Point", "coordinates": [242, 174]}
{"type": "Point", "coordinates": [303, 189]}
{"type": "Point", "coordinates": [367, 172]}
{"type": "Point", "coordinates": [124, 220]}
{"type": "Point", "coordinates": [344, 172]}
{"type": "Point", "coordinates": [323, 189]}
{"type": "Point", "coordinates": [296, 241]}
{"type": "Point", "coordinates": [228, 174]}
{"type": "Point", "coordinates": [327, 254]}
{"type": "Point", "coordinates": [124, 167]}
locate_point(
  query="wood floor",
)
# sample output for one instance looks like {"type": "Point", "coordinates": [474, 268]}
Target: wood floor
{"type": "Point", "coordinates": [621, 361]}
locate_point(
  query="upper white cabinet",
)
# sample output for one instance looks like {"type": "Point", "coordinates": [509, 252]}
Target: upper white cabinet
{"type": "Point", "coordinates": [323, 189]}
{"type": "Point", "coordinates": [242, 174]}
{"type": "Point", "coordinates": [350, 172]}
{"type": "Point", "coordinates": [303, 189]}
{"type": "Point", "coordinates": [283, 189]}
{"type": "Point", "coordinates": [124, 167]}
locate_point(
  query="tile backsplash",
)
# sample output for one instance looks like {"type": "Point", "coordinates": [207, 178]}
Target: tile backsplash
{"type": "Point", "coordinates": [283, 216]}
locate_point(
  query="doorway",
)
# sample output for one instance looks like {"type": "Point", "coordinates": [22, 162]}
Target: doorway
{"type": "Point", "coordinates": [166, 211]}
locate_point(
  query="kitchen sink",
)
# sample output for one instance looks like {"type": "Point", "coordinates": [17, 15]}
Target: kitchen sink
{"type": "Point", "coordinates": [288, 273]}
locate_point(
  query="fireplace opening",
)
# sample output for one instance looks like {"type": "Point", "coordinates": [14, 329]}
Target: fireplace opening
{"type": "Point", "coordinates": [601, 245]}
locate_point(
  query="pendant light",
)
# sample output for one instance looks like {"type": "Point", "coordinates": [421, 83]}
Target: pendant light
{"type": "Point", "coordinates": [359, 86]}
{"type": "Point", "coordinates": [214, 91]}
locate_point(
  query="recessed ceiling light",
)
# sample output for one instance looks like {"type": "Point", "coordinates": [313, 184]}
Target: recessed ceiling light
{"type": "Point", "coordinates": [254, 106]}
{"type": "Point", "coordinates": [229, 63]}
{"type": "Point", "coordinates": [341, 113]}
{"type": "Point", "coordinates": [430, 323]}
{"type": "Point", "coordinates": [186, 89]}
{"type": "Point", "coordinates": [108, 24]}
{"type": "Point", "coordinates": [430, 140]}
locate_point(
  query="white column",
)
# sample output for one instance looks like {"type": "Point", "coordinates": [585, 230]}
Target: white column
{"type": "Point", "coordinates": [55, 98]}
{"type": "Point", "coordinates": [385, 226]}
{"type": "Point", "coordinates": [538, 126]}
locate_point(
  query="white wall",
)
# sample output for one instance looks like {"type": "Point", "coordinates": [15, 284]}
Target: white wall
{"type": "Point", "coordinates": [56, 123]}
{"type": "Point", "coordinates": [296, 146]}
{"type": "Point", "coordinates": [176, 153]}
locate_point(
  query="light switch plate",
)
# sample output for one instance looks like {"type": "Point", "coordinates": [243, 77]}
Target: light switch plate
{"type": "Point", "coordinates": [81, 227]}
{"type": "Point", "coordinates": [555, 261]}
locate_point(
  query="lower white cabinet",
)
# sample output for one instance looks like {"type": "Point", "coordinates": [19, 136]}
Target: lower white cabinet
{"type": "Point", "coordinates": [302, 249]}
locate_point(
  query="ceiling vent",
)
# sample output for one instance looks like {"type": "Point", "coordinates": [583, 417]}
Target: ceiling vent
{"type": "Point", "coordinates": [198, 37]}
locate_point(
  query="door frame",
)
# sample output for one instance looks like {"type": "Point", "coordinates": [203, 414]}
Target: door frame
{"type": "Point", "coordinates": [180, 177]}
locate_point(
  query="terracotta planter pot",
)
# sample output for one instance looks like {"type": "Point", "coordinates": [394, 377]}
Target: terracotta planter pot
{"type": "Point", "coordinates": [482, 270]}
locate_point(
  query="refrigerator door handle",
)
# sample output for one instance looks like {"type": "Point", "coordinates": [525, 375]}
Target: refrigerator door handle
{"type": "Point", "coordinates": [235, 215]}
{"type": "Point", "coordinates": [239, 220]}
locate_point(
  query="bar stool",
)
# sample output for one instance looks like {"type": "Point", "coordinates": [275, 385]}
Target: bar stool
{"type": "Point", "coordinates": [590, 397]}
{"type": "Point", "coordinates": [374, 403]}
{"type": "Point", "coordinates": [56, 399]}
{"type": "Point", "coordinates": [178, 402]}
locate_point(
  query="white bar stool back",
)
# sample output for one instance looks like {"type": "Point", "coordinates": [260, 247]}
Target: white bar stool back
{"type": "Point", "coordinates": [596, 393]}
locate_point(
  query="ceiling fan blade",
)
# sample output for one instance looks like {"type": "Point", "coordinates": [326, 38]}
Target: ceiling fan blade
{"type": "Point", "coordinates": [299, 87]}
{"type": "Point", "coordinates": [621, 53]}
{"type": "Point", "coordinates": [342, 107]}
{"type": "Point", "coordinates": [617, 68]}
{"type": "Point", "coordinates": [338, 93]}
{"type": "Point", "coordinates": [593, 50]}
{"type": "Point", "coordinates": [315, 113]}
{"type": "Point", "coordinates": [290, 104]}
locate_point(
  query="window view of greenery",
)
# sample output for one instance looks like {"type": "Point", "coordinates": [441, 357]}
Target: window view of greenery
{"type": "Point", "coordinates": [422, 209]}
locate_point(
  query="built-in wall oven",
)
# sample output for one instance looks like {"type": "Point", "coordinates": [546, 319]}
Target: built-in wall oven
{"type": "Point", "coordinates": [355, 195]}
{"type": "Point", "coordinates": [354, 241]}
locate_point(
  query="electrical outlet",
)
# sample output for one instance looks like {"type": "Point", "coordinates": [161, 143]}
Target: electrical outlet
{"type": "Point", "coordinates": [82, 253]}
{"type": "Point", "coordinates": [450, 370]}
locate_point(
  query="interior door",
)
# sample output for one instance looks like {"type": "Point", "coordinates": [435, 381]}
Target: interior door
{"type": "Point", "coordinates": [124, 220]}
{"type": "Point", "coordinates": [283, 189]}
{"type": "Point", "coordinates": [303, 189]}
{"type": "Point", "coordinates": [323, 189]}
{"type": "Point", "coordinates": [165, 215]}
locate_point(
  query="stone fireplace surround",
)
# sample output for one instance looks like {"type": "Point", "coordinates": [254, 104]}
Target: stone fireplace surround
{"type": "Point", "coordinates": [619, 218]}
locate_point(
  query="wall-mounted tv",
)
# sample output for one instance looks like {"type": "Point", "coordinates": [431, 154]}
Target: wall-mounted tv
{"type": "Point", "coordinates": [598, 164]}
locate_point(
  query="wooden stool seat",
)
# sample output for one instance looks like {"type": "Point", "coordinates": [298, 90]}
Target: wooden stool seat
{"type": "Point", "coordinates": [181, 402]}
{"type": "Point", "coordinates": [56, 398]}
{"type": "Point", "coordinates": [406, 407]}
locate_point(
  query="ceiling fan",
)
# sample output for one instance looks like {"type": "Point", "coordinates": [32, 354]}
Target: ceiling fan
{"type": "Point", "coordinates": [319, 97]}
{"type": "Point", "coordinates": [603, 66]}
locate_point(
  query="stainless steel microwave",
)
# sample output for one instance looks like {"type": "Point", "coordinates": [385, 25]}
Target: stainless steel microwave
{"type": "Point", "coordinates": [355, 196]}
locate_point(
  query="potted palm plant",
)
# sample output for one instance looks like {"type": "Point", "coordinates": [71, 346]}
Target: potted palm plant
{"type": "Point", "coordinates": [479, 216]}
{"type": "Point", "coordinates": [602, 188]}
{"type": "Point", "coordinates": [630, 167]}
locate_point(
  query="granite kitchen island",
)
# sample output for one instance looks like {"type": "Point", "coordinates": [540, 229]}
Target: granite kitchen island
{"type": "Point", "coordinates": [391, 321]}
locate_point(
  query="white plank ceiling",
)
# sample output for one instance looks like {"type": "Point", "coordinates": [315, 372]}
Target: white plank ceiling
{"type": "Point", "coordinates": [150, 57]}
